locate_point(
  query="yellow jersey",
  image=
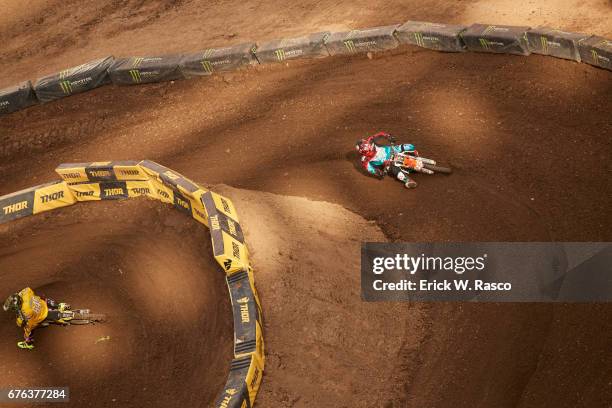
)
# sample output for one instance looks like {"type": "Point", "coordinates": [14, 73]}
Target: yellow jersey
{"type": "Point", "coordinates": [33, 309]}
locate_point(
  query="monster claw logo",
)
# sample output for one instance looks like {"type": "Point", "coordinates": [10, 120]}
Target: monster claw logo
{"type": "Point", "coordinates": [137, 61]}
{"type": "Point", "coordinates": [418, 37]}
{"type": "Point", "coordinates": [484, 43]}
{"type": "Point", "coordinates": [595, 55]}
{"type": "Point", "coordinates": [207, 66]}
{"type": "Point", "coordinates": [135, 74]}
{"type": "Point", "coordinates": [66, 87]}
{"type": "Point", "coordinates": [227, 264]}
{"type": "Point", "coordinates": [280, 54]}
{"type": "Point", "coordinates": [544, 42]}
{"type": "Point", "coordinates": [63, 74]}
{"type": "Point", "coordinates": [208, 53]}
{"type": "Point", "coordinates": [350, 45]}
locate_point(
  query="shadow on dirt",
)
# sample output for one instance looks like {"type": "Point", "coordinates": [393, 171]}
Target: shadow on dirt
{"type": "Point", "coordinates": [513, 125]}
{"type": "Point", "coordinates": [151, 270]}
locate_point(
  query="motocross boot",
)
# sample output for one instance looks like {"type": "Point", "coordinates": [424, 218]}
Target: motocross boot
{"type": "Point", "coordinates": [404, 178]}
{"type": "Point", "coordinates": [410, 183]}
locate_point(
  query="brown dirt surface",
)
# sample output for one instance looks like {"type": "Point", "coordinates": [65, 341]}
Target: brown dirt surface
{"type": "Point", "coordinates": [151, 271]}
{"type": "Point", "coordinates": [528, 138]}
{"type": "Point", "coordinates": [50, 35]}
{"type": "Point", "coordinates": [324, 345]}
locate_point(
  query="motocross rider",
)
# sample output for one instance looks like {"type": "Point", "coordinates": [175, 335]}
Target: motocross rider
{"type": "Point", "coordinates": [377, 160]}
{"type": "Point", "coordinates": [31, 311]}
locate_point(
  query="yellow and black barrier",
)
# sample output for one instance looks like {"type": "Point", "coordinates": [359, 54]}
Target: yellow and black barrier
{"type": "Point", "coordinates": [35, 200]}
{"type": "Point", "coordinates": [242, 384]}
{"type": "Point", "coordinates": [96, 181]}
{"type": "Point", "coordinates": [226, 234]}
{"type": "Point", "coordinates": [248, 325]}
{"type": "Point", "coordinates": [170, 177]}
{"type": "Point", "coordinates": [112, 190]}
{"type": "Point", "coordinates": [184, 203]}
{"type": "Point", "coordinates": [101, 171]}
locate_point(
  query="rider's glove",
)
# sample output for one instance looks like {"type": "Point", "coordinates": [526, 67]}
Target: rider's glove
{"type": "Point", "coordinates": [62, 307]}
{"type": "Point", "coordinates": [26, 345]}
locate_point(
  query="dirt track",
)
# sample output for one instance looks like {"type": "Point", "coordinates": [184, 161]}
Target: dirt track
{"type": "Point", "coordinates": [161, 290]}
{"type": "Point", "coordinates": [529, 139]}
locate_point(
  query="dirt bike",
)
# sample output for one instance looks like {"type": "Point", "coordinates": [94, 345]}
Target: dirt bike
{"type": "Point", "coordinates": [65, 317]}
{"type": "Point", "coordinates": [73, 317]}
{"type": "Point", "coordinates": [413, 162]}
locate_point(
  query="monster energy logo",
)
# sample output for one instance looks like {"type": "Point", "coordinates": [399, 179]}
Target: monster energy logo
{"type": "Point", "coordinates": [350, 45]}
{"type": "Point", "coordinates": [64, 74]}
{"type": "Point", "coordinates": [207, 66]}
{"type": "Point", "coordinates": [599, 58]}
{"type": "Point", "coordinates": [487, 45]}
{"type": "Point", "coordinates": [135, 74]}
{"type": "Point", "coordinates": [280, 54]}
{"type": "Point", "coordinates": [544, 42]}
{"type": "Point", "coordinates": [137, 61]}
{"type": "Point", "coordinates": [418, 37]}
{"type": "Point", "coordinates": [66, 87]}
{"type": "Point", "coordinates": [547, 44]}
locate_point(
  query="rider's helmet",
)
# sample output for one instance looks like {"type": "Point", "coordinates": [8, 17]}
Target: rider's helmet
{"type": "Point", "coordinates": [364, 148]}
{"type": "Point", "coordinates": [12, 302]}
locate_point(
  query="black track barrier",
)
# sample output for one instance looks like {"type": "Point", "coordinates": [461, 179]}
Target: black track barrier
{"type": "Point", "coordinates": [17, 97]}
{"type": "Point", "coordinates": [73, 80]}
{"type": "Point", "coordinates": [435, 36]}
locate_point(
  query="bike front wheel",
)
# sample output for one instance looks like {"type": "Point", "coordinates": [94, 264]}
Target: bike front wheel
{"type": "Point", "coordinates": [438, 169]}
{"type": "Point", "coordinates": [86, 318]}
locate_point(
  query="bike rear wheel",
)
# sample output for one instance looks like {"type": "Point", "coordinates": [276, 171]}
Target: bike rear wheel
{"type": "Point", "coordinates": [438, 169]}
{"type": "Point", "coordinates": [86, 318]}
